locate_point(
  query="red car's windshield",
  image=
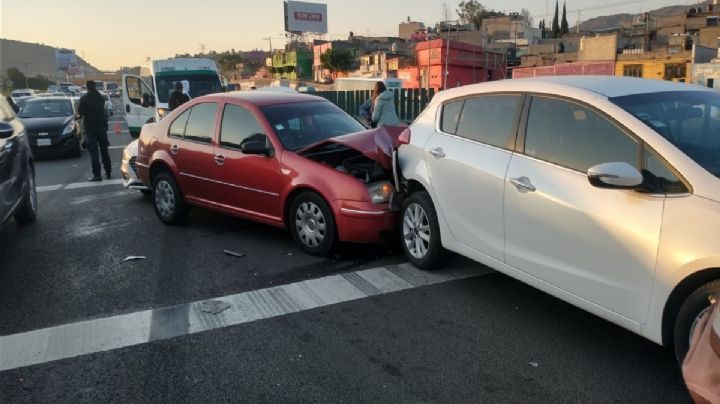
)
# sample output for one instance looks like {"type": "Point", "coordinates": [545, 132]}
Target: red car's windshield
{"type": "Point", "coordinates": [299, 125]}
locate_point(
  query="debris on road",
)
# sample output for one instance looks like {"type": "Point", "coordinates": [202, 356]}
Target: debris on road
{"type": "Point", "coordinates": [233, 254]}
{"type": "Point", "coordinates": [286, 253]}
{"type": "Point", "coordinates": [534, 364]}
{"type": "Point", "coordinates": [134, 258]}
{"type": "Point", "coordinates": [214, 306]}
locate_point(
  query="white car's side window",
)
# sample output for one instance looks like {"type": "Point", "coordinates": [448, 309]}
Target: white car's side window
{"type": "Point", "coordinates": [576, 137]}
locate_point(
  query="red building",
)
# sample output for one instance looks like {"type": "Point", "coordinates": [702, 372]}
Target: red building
{"type": "Point", "coordinates": [467, 64]}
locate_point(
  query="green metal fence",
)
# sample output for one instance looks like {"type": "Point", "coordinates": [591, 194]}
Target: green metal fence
{"type": "Point", "coordinates": [409, 102]}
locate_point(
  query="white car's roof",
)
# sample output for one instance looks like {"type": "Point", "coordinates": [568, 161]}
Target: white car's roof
{"type": "Point", "coordinates": [607, 86]}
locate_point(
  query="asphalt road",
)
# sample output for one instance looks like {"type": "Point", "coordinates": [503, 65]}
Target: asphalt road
{"type": "Point", "coordinates": [486, 338]}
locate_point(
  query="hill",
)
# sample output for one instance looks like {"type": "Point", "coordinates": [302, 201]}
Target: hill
{"type": "Point", "coordinates": [40, 59]}
{"type": "Point", "coordinates": [616, 20]}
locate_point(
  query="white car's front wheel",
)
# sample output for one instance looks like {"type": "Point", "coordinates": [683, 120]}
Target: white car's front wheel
{"type": "Point", "coordinates": [420, 231]}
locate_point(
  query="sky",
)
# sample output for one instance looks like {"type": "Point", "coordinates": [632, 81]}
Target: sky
{"type": "Point", "coordinates": [114, 33]}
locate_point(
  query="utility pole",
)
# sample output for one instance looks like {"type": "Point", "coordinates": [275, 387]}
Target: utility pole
{"type": "Point", "coordinates": [269, 39]}
{"type": "Point", "coordinates": [25, 65]}
{"type": "Point", "coordinates": [578, 21]}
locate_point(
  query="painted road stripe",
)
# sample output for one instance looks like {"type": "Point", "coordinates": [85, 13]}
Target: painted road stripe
{"type": "Point", "coordinates": [78, 185]}
{"type": "Point", "coordinates": [88, 337]}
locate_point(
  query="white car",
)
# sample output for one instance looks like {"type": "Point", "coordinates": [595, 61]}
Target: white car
{"type": "Point", "coordinates": [601, 191]}
{"type": "Point", "coordinates": [128, 169]}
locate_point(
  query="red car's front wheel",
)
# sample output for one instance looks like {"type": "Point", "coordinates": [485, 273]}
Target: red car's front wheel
{"type": "Point", "coordinates": [312, 224]}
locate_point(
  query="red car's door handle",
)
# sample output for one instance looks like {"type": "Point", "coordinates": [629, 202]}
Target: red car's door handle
{"type": "Point", "coordinates": [219, 159]}
{"type": "Point", "coordinates": [174, 149]}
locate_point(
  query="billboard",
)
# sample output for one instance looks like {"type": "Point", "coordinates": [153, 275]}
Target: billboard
{"type": "Point", "coordinates": [66, 61]}
{"type": "Point", "coordinates": [305, 17]}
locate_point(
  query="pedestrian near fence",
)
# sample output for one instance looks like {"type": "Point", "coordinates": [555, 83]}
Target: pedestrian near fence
{"type": "Point", "coordinates": [383, 111]}
{"type": "Point", "coordinates": [95, 121]}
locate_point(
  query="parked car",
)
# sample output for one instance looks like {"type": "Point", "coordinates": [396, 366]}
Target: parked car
{"type": "Point", "coordinates": [52, 126]}
{"type": "Point", "coordinates": [601, 191]}
{"type": "Point", "coordinates": [22, 92]}
{"type": "Point", "coordinates": [276, 158]}
{"type": "Point", "coordinates": [17, 172]}
{"type": "Point", "coordinates": [128, 169]}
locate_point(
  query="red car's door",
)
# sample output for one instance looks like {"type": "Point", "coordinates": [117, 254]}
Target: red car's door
{"type": "Point", "coordinates": [190, 145]}
{"type": "Point", "coordinates": [251, 182]}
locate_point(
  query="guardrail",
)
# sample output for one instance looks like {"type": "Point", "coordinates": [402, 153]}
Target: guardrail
{"type": "Point", "coordinates": [409, 102]}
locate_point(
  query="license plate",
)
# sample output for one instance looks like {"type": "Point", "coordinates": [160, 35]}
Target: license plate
{"type": "Point", "coordinates": [44, 142]}
{"type": "Point", "coordinates": [42, 134]}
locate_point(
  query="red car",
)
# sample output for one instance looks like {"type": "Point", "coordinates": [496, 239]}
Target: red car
{"type": "Point", "coordinates": [288, 160]}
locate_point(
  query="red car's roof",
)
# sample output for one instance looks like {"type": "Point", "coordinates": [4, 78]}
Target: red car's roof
{"type": "Point", "coordinates": [264, 98]}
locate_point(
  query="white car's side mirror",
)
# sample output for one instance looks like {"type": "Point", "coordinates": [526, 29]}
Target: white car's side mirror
{"type": "Point", "coordinates": [614, 175]}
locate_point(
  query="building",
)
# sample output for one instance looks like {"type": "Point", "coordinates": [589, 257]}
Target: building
{"type": "Point", "coordinates": [466, 64]}
{"type": "Point", "coordinates": [292, 64]}
{"type": "Point", "coordinates": [664, 64]}
{"type": "Point", "coordinates": [406, 30]}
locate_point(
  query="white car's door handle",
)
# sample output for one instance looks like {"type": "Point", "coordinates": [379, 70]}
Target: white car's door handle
{"type": "Point", "coordinates": [523, 184]}
{"type": "Point", "coordinates": [437, 152]}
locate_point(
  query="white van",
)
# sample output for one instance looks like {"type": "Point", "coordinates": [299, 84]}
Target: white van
{"type": "Point", "coordinates": [145, 97]}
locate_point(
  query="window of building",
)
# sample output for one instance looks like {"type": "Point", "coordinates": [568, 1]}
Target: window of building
{"type": "Point", "coordinates": [633, 70]}
{"type": "Point", "coordinates": [675, 71]}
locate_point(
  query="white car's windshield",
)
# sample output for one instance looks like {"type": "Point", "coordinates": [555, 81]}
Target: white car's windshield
{"type": "Point", "coordinates": [688, 119]}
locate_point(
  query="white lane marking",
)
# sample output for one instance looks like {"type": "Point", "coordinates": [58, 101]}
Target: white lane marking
{"type": "Point", "coordinates": [88, 337]}
{"type": "Point", "coordinates": [46, 188]}
{"type": "Point", "coordinates": [78, 185]}
{"type": "Point", "coordinates": [99, 197]}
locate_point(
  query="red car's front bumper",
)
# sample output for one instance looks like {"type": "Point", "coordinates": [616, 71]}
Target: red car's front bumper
{"type": "Point", "coordinates": [364, 222]}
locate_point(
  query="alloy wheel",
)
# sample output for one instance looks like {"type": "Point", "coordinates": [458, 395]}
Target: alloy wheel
{"type": "Point", "coordinates": [416, 231]}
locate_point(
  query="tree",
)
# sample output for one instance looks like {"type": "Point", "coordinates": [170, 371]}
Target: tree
{"type": "Point", "coordinates": [337, 60]}
{"type": "Point", "coordinates": [472, 12]}
{"type": "Point", "coordinates": [556, 23]}
{"type": "Point", "coordinates": [564, 27]}
{"type": "Point", "coordinates": [16, 77]}
{"type": "Point", "coordinates": [542, 28]}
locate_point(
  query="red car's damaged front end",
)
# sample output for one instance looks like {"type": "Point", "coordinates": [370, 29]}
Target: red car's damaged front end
{"type": "Point", "coordinates": [367, 157]}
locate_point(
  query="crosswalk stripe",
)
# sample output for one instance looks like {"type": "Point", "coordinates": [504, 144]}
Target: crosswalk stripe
{"type": "Point", "coordinates": [93, 336]}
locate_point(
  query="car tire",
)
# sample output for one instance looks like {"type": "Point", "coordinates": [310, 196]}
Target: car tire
{"type": "Point", "coordinates": [420, 232]}
{"type": "Point", "coordinates": [27, 211]}
{"type": "Point", "coordinates": [312, 224]}
{"type": "Point", "coordinates": [168, 201]}
{"type": "Point", "coordinates": [688, 315]}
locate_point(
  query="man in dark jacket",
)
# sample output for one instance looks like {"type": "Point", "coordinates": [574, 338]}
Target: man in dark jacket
{"type": "Point", "coordinates": [95, 119]}
{"type": "Point", "coordinates": [177, 97]}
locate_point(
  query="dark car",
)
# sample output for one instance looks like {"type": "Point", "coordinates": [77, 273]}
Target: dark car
{"type": "Point", "coordinates": [52, 126]}
{"type": "Point", "coordinates": [17, 174]}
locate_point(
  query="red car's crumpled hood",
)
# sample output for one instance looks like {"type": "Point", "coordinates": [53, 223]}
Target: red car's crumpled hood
{"type": "Point", "coordinates": [377, 144]}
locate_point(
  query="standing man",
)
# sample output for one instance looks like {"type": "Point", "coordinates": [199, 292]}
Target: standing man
{"type": "Point", "coordinates": [177, 97]}
{"type": "Point", "coordinates": [95, 119]}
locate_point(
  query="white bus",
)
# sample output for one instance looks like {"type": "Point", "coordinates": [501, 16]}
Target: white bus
{"type": "Point", "coordinates": [145, 97]}
{"type": "Point", "coordinates": [354, 84]}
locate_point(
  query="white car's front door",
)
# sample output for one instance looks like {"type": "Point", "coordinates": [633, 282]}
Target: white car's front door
{"type": "Point", "coordinates": [467, 160]}
{"type": "Point", "coordinates": [138, 102]}
{"type": "Point", "coordinates": [597, 244]}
